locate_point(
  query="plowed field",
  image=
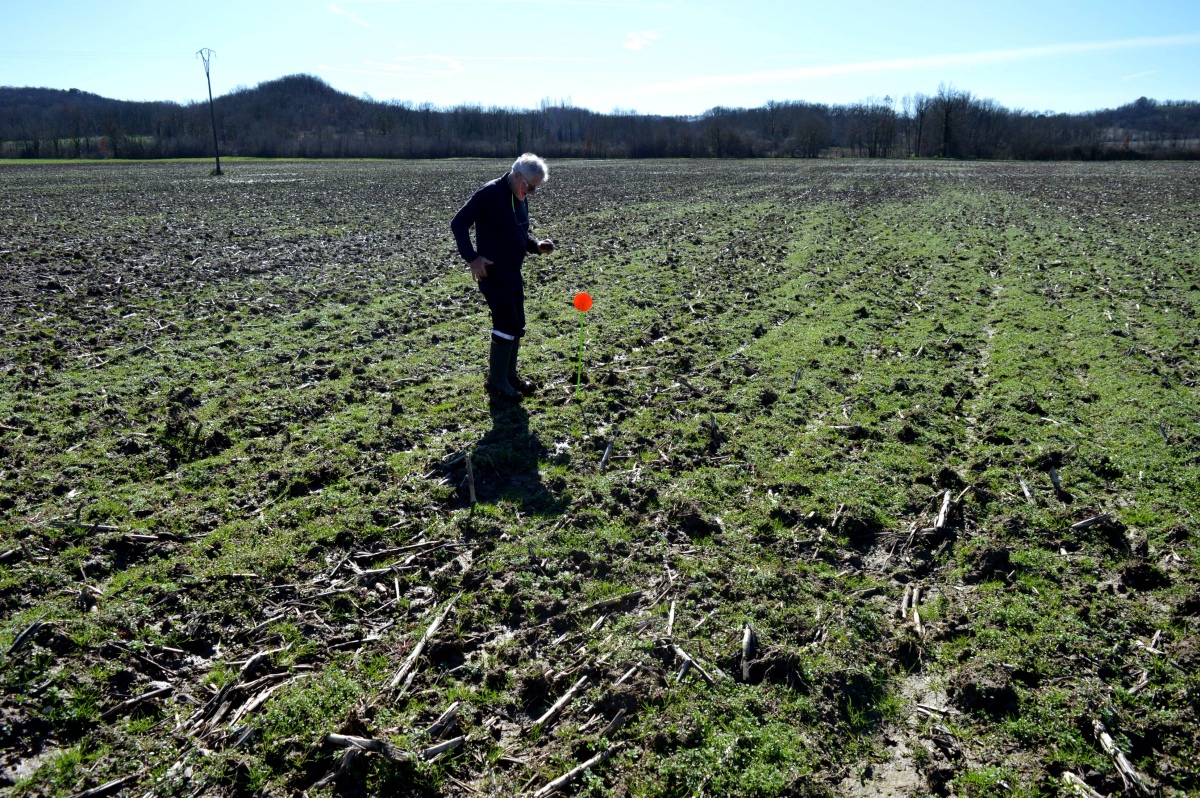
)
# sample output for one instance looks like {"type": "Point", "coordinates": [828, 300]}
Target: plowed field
{"type": "Point", "coordinates": [881, 480]}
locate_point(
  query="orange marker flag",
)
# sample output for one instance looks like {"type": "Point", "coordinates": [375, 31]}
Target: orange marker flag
{"type": "Point", "coordinates": [583, 303]}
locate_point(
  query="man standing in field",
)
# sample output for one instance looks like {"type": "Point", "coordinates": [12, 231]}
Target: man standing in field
{"type": "Point", "coordinates": [499, 211]}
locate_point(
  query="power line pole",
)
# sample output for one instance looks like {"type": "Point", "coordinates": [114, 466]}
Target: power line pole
{"type": "Point", "coordinates": [206, 56]}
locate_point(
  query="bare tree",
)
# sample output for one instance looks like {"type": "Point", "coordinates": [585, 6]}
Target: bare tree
{"type": "Point", "coordinates": [917, 109]}
{"type": "Point", "coordinates": [813, 134]}
{"type": "Point", "coordinates": [949, 104]}
{"type": "Point", "coordinates": [881, 127]}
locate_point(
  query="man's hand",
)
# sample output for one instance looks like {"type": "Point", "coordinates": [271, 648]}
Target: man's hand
{"type": "Point", "coordinates": [545, 246]}
{"type": "Point", "coordinates": [479, 268]}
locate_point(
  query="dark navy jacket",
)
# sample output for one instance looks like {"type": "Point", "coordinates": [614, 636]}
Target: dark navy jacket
{"type": "Point", "coordinates": [501, 224]}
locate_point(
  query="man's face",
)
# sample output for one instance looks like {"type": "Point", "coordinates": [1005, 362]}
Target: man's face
{"type": "Point", "coordinates": [526, 186]}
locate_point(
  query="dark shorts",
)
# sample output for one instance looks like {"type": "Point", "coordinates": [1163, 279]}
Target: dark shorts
{"type": "Point", "coordinates": [506, 299]}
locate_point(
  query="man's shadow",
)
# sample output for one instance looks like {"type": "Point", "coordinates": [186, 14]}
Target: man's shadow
{"type": "Point", "coordinates": [505, 463]}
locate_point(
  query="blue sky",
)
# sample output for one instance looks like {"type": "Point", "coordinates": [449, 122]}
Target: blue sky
{"type": "Point", "coordinates": [671, 57]}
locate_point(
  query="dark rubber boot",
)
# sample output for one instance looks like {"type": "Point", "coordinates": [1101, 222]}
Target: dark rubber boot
{"type": "Point", "coordinates": [524, 387]}
{"type": "Point", "coordinates": [498, 364]}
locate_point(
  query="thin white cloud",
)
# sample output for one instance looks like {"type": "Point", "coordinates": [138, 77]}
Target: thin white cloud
{"type": "Point", "coordinates": [641, 6]}
{"type": "Point", "coordinates": [639, 39]}
{"type": "Point", "coordinates": [925, 62]}
{"type": "Point", "coordinates": [348, 70]}
{"type": "Point", "coordinates": [1137, 75]}
{"type": "Point", "coordinates": [573, 59]}
{"type": "Point", "coordinates": [350, 15]}
{"type": "Point", "coordinates": [764, 59]}
{"type": "Point", "coordinates": [419, 64]}
{"type": "Point", "coordinates": [433, 66]}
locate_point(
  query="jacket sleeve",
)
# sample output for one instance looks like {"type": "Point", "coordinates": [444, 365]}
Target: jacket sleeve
{"type": "Point", "coordinates": [461, 225]}
{"type": "Point", "coordinates": [531, 245]}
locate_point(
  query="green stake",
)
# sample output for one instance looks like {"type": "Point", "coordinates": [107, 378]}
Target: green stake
{"type": "Point", "coordinates": [582, 303]}
{"type": "Point", "coordinates": [579, 375]}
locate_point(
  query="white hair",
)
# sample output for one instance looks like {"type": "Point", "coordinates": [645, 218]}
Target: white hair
{"type": "Point", "coordinates": [532, 167]}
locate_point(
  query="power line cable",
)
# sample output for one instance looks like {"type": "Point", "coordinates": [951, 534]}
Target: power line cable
{"type": "Point", "coordinates": [84, 54]}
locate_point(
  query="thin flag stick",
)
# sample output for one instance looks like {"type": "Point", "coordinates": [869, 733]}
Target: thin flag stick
{"type": "Point", "coordinates": [583, 303]}
{"type": "Point", "coordinates": [579, 373]}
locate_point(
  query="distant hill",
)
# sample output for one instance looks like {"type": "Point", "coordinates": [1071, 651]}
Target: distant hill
{"type": "Point", "coordinates": [302, 116]}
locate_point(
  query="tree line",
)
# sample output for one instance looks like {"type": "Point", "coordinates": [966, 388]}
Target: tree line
{"type": "Point", "coordinates": [302, 116]}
